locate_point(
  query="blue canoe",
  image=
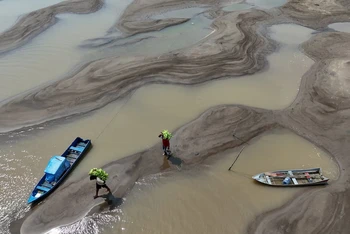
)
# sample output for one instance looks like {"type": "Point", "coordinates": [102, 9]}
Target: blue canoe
{"type": "Point", "coordinates": [58, 169]}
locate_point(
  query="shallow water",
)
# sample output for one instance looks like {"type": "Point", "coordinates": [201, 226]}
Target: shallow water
{"type": "Point", "coordinates": [11, 10]}
{"type": "Point", "coordinates": [55, 51]}
{"type": "Point", "coordinates": [266, 4]}
{"type": "Point", "coordinates": [112, 128]}
{"type": "Point", "coordinates": [157, 43]}
{"type": "Point", "coordinates": [237, 7]}
{"type": "Point", "coordinates": [181, 13]}
{"type": "Point", "coordinates": [273, 89]}
{"type": "Point", "coordinates": [341, 27]}
{"type": "Point", "coordinates": [209, 198]}
{"type": "Point", "coordinates": [248, 4]}
{"type": "Point", "coordinates": [290, 35]}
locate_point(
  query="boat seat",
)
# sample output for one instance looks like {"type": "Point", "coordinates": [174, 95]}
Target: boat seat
{"type": "Point", "coordinates": [268, 179]}
{"type": "Point", "coordinates": [72, 156]}
{"type": "Point", "coordinates": [47, 184]}
{"type": "Point", "coordinates": [43, 188]}
{"type": "Point", "coordinates": [295, 181]}
{"type": "Point", "coordinates": [79, 149]}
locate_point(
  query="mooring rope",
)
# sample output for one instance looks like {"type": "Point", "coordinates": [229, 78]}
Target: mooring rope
{"type": "Point", "coordinates": [246, 175]}
{"type": "Point", "coordinates": [114, 116]}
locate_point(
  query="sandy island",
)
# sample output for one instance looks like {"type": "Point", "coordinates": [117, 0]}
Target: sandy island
{"type": "Point", "coordinates": [239, 46]}
{"type": "Point", "coordinates": [34, 23]}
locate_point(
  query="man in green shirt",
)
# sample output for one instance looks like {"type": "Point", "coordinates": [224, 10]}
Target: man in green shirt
{"type": "Point", "coordinates": [100, 176]}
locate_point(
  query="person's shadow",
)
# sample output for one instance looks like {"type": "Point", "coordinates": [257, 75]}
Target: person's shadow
{"type": "Point", "coordinates": [175, 161]}
{"type": "Point", "coordinates": [111, 201]}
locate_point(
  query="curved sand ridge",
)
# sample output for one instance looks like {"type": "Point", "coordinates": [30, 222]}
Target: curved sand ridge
{"type": "Point", "coordinates": [137, 17]}
{"type": "Point", "coordinates": [320, 114]}
{"type": "Point", "coordinates": [214, 128]}
{"type": "Point", "coordinates": [313, 115]}
{"type": "Point", "coordinates": [233, 50]}
{"type": "Point", "coordinates": [317, 13]}
{"type": "Point", "coordinates": [34, 23]}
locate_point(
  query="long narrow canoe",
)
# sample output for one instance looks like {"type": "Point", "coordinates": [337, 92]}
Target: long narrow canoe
{"type": "Point", "coordinates": [58, 169]}
{"type": "Point", "coordinates": [290, 178]}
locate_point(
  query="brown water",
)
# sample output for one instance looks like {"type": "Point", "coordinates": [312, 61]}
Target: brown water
{"type": "Point", "coordinates": [266, 4]}
{"type": "Point", "coordinates": [273, 89]}
{"type": "Point", "coordinates": [341, 27]}
{"type": "Point", "coordinates": [209, 198]}
{"type": "Point", "coordinates": [213, 205]}
{"type": "Point", "coordinates": [11, 10]}
{"type": "Point", "coordinates": [56, 51]}
{"type": "Point", "coordinates": [111, 128]}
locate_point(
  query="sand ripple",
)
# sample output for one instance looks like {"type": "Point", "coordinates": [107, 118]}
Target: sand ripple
{"type": "Point", "coordinates": [232, 50]}
{"type": "Point", "coordinates": [320, 113]}
{"type": "Point", "coordinates": [34, 23]}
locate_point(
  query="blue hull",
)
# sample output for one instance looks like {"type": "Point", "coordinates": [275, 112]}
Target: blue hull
{"type": "Point", "coordinates": [73, 154]}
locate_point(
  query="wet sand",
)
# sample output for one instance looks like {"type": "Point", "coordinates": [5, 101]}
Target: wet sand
{"type": "Point", "coordinates": [210, 199]}
{"type": "Point", "coordinates": [38, 21]}
{"type": "Point", "coordinates": [10, 11]}
{"type": "Point", "coordinates": [319, 113]}
{"type": "Point", "coordinates": [124, 172]}
{"type": "Point", "coordinates": [137, 18]}
{"type": "Point", "coordinates": [225, 53]}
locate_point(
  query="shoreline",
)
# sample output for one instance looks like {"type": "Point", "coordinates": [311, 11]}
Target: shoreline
{"type": "Point", "coordinates": [115, 78]}
{"type": "Point", "coordinates": [319, 119]}
{"type": "Point", "coordinates": [319, 114]}
{"type": "Point", "coordinates": [129, 169]}
{"type": "Point", "coordinates": [34, 23]}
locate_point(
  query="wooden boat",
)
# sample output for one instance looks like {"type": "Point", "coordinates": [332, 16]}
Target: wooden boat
{"type": "Point", "coordinates": [289, 178]}
{"type": "Point", "coordinates": [58, 169]}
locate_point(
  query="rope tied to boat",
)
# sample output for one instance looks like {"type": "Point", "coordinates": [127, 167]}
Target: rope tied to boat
{"type": "Point", "coordinates": [244, 142]}
{"type": "Point", "coordinates": [237, 157]}
{"type": "Point", "coordinates": [114, 116]}
{"type": "Point", "coordinates": [246, 175]}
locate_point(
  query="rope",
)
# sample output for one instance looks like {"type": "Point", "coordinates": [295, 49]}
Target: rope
{"type": "Point", "coordinates": [114, 116]}
{"type": "Point", "coordinates": [240, 139]}
{"type": "Point", "coordinates": [243, 174]}
{"type": "Point", "coordinates": [237, 157]}
{"type": "Point", "coordinates": [246, 143]}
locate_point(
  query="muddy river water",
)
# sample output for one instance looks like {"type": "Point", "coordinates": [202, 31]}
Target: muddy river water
{"type": "Point", "coordinates": [205, 199]}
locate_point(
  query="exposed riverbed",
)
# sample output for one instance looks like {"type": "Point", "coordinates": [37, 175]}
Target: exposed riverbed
{"type": "Point", "coordinates": [167, 199]}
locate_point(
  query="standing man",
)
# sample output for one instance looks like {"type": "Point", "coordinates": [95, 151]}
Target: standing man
{"type": "Point", "coordinates": [101, 177]}
{"type": "Point", "coordinates": [165, 135]}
